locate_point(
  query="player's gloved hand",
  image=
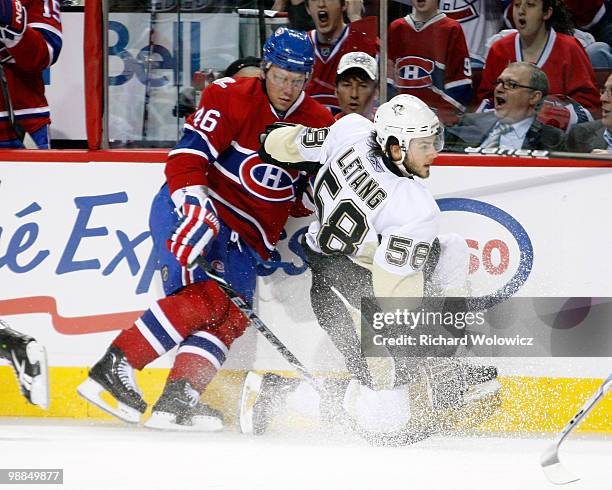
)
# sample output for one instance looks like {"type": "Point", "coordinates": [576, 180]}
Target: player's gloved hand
{"type": "Point", "coordinates": [270, 128]}
{"type": "Point", "coordinates": [195, 230]}
{"type": "Point", "coordinates": [13, 22]}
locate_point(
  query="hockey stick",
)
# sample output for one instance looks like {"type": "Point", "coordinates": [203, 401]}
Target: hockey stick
{"type": "Point", "coordinates": [537, 154]}
{"type": "Point", "coordinates": [397, 438]}
{"type": "Point", "coordinates": [553, 469]}
{"type": "Point", "coordinates": [21, 133]}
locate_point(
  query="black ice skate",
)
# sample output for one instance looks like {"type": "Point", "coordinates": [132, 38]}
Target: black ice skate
{"type": "Point", "coordinates": [179, 408]}
{"type": "Point", "coordinates": [114, 374]}
{"type": "Point", "coordinates": [29, 360]}
{"type": "Point", "coordinates": [261, 399]}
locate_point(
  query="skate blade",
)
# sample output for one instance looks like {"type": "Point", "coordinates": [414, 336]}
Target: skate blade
{"type": "Point", "coordinates": [250, 391]}
{"type": "Point", "coordinates": [39, 391]}
{"type": "Point", "coordinates": [167, 421]}
{"type": "Point", "coordinates": [92, 391]}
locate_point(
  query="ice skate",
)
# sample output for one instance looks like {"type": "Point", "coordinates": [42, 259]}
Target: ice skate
{"type": "Point", "coordinates": [261, 399]}
{"type": "Point", "coordinates": [114, 375]}
{"type": "Point", "coordinates": [29, 360]}
{"type": "Point", "coordinates": [179, 408]}
{"type": "Point", "coordinates": [461, 395]}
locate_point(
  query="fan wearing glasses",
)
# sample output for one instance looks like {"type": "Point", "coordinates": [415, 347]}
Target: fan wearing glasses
{"type": "Point", "coordinates": [517, 97]}
{"type": "Point", "coordinates": [595, 136]}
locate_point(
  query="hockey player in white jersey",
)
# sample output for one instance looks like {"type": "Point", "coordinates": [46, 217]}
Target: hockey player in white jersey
{"type": "Point", "coordinates": [377, 235]}
{"type": "Point", "coordinates": [29, 360]}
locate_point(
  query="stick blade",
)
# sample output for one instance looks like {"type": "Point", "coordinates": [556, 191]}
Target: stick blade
{"type": "Point", "coordinates": [558, 474]}
{"type": "Point", "coordinates": [554, 470]}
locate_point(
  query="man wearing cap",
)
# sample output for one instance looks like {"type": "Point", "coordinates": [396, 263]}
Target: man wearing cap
{"type": "Point", "coordinates": [356, 84]}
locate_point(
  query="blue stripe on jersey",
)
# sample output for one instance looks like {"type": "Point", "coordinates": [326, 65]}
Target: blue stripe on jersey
{"type": "Point", "coordinates": [232, 159]}
{"type": "Point", "coordinates": [158, 330]}
{"type": "Point", "coordinates": [207, 345]}
{"type": "Point", "coordinates": [193, 141]}
{"type": "Point", "coordinates": [32, 115]}
{"type": "Point", "coordinates": [54, 41]}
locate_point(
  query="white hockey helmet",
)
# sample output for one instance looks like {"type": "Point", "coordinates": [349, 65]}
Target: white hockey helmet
{"type": "Point", "coordinates": [406, 117]}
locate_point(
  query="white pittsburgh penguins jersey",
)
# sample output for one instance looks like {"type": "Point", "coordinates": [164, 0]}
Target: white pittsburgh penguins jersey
{"type": "Point", "coordinates": [366, 211]}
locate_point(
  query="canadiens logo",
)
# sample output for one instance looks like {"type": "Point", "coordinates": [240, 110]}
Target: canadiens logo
{"type": "Point", "coordinates": [218, 266]}
{"type": "Point", "coordinates": [414, 72]}
{"type": "Point", "coordinates": [266, 181]}
{"type": "Point", "coordinates": [460, 10]}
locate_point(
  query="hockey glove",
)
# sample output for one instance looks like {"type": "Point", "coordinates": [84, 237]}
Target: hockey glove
{"type": "Point", "coordinates": [197, 227]}
{"type": "Point", "coordinates": [13, 22]}
{"type": "Point", "coordinates": [270, 128]}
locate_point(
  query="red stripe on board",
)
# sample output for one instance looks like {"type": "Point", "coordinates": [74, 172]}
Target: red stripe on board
{"type": "Point", "coordinates": [68, 326]}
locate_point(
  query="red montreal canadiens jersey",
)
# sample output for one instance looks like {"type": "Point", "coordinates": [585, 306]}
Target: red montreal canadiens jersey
{"type": "Point", "coordinates": [563, 60]}
{"type": "Point", "coordinates": [360, 35]}
{"type": "Point", "coordinates": [219, 150]}
{"type": "Point", "coordinates": [24, 63]}
{"type": "Point", "coordinates": [432, 63]}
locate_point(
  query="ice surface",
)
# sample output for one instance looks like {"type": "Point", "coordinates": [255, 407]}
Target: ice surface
{"type": "Point", "coordinates": [111, 456]}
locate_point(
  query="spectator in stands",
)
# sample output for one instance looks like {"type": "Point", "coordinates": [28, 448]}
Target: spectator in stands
{"type": "Point", "coordinates": [332, 38]}
{"type": "Point", "coordinates": [356, 84]}
{"type": "Point", "coordinates": [429, 59]}
{"type": "Point", "coordinates": [593, 16]}
{"type": "Point", "coordinates": [593, 20]}
{"type": "Point", "coordinates": [518, 94]}
{"type": "Point", "coordinates": [544, 38]}
{"type": "Point", "coordinates": [595, 136]}
{"type": "Point", "coordinates": [30, 42]}
{"type": "Point", "coordinates": [296, 10]}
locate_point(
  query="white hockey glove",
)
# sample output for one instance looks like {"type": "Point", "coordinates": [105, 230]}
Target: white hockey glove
{"type": "Point", "coordinates": [13, 22]}
{"type": "Point", "coordinates": [197, 226]}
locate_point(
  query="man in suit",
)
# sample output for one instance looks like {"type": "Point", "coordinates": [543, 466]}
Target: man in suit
{"type": "Point", "coordinates": [595, 136]}
{"type": "Point", "coordinates": [517, 97]}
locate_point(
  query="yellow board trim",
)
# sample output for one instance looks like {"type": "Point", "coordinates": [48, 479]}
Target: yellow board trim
{"type": "Point", "coordinates": [530, 404]}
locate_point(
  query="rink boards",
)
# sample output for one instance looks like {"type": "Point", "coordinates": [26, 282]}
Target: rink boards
{"type": "Point", "coordinates": [76, 266]}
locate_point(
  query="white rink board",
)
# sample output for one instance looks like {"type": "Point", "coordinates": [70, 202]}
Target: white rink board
{"type": "Point", "coordinates": [559, 211]}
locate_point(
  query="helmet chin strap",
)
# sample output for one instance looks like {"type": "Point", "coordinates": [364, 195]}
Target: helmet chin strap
{"type": "Point", "coordinates": [400, 163]}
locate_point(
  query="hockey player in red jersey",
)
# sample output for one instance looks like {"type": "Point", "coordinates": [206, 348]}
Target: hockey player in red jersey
{"type": "Point", "coordinates": [428, 58]}
{"type": "Point", "coordinates": [544, 39]}
{"type": "Point", "coordinates": [222, 201]}
{"type": "Point", "coordinates": [333, 38]}
{"type": "Point", "coordinates": [30, 42]}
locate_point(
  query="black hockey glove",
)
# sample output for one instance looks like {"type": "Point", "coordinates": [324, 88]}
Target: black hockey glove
{"type": "Point", "coordinates": [270, 128]}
